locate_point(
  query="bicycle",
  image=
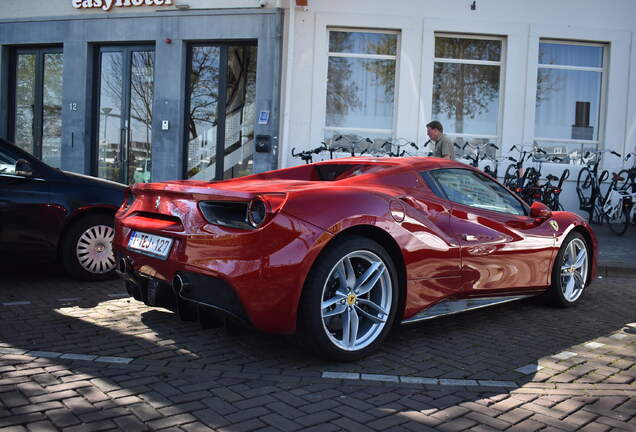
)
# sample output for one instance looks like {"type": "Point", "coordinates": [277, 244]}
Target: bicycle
{"type": "Point", "coordinates": [352, 144]}
{"type": "Point", "coordinates": [588, 186]}
{"type": "Point", "coordinates": [306, 155]}
{"type": "Point", "coordinates": [629, 174]}
{"type": "Point", "coordinates": [514, 172]}
{"type": "Point", "coordinates": [619, 209]}
{"type": "Point", "coordinates": [551, 193]}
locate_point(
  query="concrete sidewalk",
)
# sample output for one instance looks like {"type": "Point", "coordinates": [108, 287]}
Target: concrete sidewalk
{"type": "Point", "coordinates": [617, 254]}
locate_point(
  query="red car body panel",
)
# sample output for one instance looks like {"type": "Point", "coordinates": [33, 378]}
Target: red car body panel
{"type": "Point", "coordinates": [447, 250]}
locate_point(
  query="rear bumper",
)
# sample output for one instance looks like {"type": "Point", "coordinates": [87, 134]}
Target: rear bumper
{"type": "Point", "coordinates": [191, 295]}
{"type": "Point", "coordinates": [255, 279]}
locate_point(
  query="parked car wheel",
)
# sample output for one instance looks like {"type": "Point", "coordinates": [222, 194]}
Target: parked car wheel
{"type": "Point", "coordinates": [87, 248]}
{"type": "Point", "coordinates": [570, 272]}
{"type": "Point", "coordinates": [350, 300]}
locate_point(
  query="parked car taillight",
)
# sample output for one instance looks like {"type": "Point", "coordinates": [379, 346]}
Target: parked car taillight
{"type": "Point", "coordinates": [243, 214]}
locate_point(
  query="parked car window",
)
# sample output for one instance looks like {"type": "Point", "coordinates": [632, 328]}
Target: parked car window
{"type": "Point", "coordinates": [475, 190]}
{"type": "Point", "coordinates": [7, 163]}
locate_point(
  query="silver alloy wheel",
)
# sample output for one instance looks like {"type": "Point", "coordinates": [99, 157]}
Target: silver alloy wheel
{"type": "Point", "coordinates": [94, 249]}
{"type": "Point", "coordinates": [356, 300]}
{"type": "Point", "coordinates": [574, 270]}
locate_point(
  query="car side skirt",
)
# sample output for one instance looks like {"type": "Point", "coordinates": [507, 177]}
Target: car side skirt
{"type": "Point", "coordinates": [451, 307]}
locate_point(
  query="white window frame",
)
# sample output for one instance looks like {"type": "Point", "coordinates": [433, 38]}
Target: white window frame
{"type": "Point", "coordinates": [602, 100]}
{"type": "Point", "coordinates": [364, 131]}
{"type": "Point", "coordinates": [502, 75]}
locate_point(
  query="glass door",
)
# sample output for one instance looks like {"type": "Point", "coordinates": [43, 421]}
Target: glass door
{"type": "Point", "coordinates": [37, 108]}
{"type": "Point", "coordinates": [220, 114]}
{"type": "Point", "coordinates": [126, 81]}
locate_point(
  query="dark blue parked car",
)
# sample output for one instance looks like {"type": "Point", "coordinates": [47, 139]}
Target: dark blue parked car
{"type": "Point", "coordinates": [47, 214]}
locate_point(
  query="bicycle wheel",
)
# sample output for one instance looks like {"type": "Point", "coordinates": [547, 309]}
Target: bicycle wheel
{"type": "Point", "coordinates": [597, 217]}
{"type": "Point", "coordinates": [623, 184]}
{"type": "Point", "coordinates": [619, 222]}
{"type": "Point", "coordinates": [584, 189]}
{"type": "Point", "coordinates": [510, 176]}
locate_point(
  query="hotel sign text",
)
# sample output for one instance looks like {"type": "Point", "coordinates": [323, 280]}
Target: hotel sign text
{"type": "Point", "coordinates": [109, 4]}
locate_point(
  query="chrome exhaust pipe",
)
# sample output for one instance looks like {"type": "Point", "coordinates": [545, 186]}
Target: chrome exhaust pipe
{"type": "Point", "coordinates": [180, 284]}
{"type": "Point", "coordinates": [122, 266]}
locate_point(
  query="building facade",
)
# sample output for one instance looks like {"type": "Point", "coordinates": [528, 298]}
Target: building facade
{"type": "Point", "coordinates": [135, 90]}
{"type": "Point", "coordinates": [556, 75]}
{"type": "Point", "coordinates": [145, 90]}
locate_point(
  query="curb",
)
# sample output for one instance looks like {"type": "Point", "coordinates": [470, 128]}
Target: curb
{"type": "Point", "coordinates": [617, 271]}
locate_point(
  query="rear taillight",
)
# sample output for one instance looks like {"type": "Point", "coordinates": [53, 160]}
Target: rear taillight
{"type": "Point", "coordinates": [256, 212]}
{"type": "Point", "coordinates": [518, 190]}
{"type": "Point", "coordinates": [244, 214]}
{"type": "Point", "coordinates": [557, 191]}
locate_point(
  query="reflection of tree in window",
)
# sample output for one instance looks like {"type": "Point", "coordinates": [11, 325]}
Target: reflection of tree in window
{"type": "Point", "coordinates": [52, 104]}
{"type": "Point", "coordinates": [141, 85]}
{"type": "Point", "coordinates": [547, 83]}
{"type": "Point", "coordinates": [204, 89]}
{"type": "Point", "coordinates": [465, 90]}
{"type": "Point", "coordinates": [341, 89]}
{"type": "Point", "coordinates": [383, 72]}
{"type": "Point", "coordinates": [240, 113]}
{"type": "Point", "coordinates": [25, 103]}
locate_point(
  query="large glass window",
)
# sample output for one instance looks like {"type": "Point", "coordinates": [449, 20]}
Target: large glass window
{"type": "Point", "coordinates": [37, 111]}
{"type": "Point", "coordinates": [467, 85]}
{"type": "Point", "coordinates": [126, 87]}
{"type": "Point", "coordinates": [221, 111]}
{"type": "Point", "coordinates": [361, 84]}
{"type": "Point", "coordinates": [570, 82]}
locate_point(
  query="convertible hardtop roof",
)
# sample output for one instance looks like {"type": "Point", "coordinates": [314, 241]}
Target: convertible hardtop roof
{"type": "Point", "coordinates": [413, 162]}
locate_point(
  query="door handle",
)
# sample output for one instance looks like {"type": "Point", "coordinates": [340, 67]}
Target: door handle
{"type": "Point", "coordinates": [469, 237]}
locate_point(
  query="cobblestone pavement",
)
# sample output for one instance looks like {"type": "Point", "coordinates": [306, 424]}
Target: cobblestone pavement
{"type": "Point", "coordinates": [84, 356]}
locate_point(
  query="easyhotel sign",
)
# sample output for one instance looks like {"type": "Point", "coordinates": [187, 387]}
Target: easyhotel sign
{"type": "Point", "coordinates": [109, 4]}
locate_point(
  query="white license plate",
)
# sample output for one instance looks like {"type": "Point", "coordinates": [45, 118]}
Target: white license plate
{"type": "Point", "coordinates": [150, 244]}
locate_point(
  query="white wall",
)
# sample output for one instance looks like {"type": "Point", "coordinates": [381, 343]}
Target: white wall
{"type": "Point", "coordinates": [522, 23]}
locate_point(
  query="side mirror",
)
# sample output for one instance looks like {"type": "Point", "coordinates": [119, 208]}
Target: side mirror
{"type": "Point", "coordinates": [538, 210]}
{"type": "Point", "coordinates": [23, 168]}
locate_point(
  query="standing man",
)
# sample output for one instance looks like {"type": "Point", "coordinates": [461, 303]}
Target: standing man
{"type": "Point", "coordinates": [443, 145]}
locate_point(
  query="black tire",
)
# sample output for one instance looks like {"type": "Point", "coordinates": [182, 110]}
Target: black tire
{"type": "Point", "coordinates": [619, 224]}
{"type": "Point", "coordinates": [558, 293]}
{"type": "Point", "coordinates": [86, 251]}
{"type": "Point", "coordinates": [322, 333]}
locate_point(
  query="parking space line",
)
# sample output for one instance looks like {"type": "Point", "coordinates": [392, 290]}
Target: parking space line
{"type": "Point", "coordinates": [528, 369]}
{"type": "Point", "coordinates": [564, 355]}
{"type": "Point", "coordinates": [16, 303]}
{"type": "Point", "coordinates": [593, 345]}
{"type": "Point", "coordinates": [45, 354]}
{"type": "Point", "coordinates": [418, 380]}
{"type": "Point", "coordinates": [118, 295]}
{"type": "Point", "coordinates": [118, 360]}
{"type": "Point", "coordinates": [79, 357]}
{"type": "Point", "coordinates": [67, 356]}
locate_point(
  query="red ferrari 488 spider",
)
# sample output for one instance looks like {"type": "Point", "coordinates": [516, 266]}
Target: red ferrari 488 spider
{"type": "Point", "coordinates": [340, 251]}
